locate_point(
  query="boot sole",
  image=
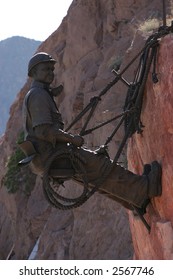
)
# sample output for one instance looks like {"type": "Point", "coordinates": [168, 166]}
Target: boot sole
{"type": "Point", "coordinates": [147, 169]}
{"type": "Point", "coordinates": [157, 167]}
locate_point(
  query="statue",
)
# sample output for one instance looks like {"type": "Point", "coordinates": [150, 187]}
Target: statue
{"type": "Point", "coordinates": [44, 133]}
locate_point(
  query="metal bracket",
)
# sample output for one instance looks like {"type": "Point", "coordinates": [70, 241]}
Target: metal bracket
{"type": "Point", "coordinates": [121, 78]}
{"type": "Point", "coordinates": [142, 218]}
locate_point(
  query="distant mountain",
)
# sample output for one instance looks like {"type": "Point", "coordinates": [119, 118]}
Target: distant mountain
{"type": "Point", "coordinates": [14, 55]}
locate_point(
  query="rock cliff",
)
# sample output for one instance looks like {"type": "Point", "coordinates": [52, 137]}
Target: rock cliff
{"type": "Point", "coordinates": [94, 37]}
{"type": "Point", "coordinates": [156, 144]}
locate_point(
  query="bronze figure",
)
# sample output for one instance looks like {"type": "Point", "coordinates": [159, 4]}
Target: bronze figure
{"type": "Point", "coordinates": [44, 130]}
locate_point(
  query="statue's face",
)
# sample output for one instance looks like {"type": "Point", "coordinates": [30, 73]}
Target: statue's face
{"type": "Point", "coordinates": [44, 72]}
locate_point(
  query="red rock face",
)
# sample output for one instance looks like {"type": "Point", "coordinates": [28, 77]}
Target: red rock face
{"type": "Point", "coordinates": [156, 144]}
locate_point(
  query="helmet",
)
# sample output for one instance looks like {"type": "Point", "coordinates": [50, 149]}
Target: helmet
{"type": "Point", "coordinates": [39, 58]}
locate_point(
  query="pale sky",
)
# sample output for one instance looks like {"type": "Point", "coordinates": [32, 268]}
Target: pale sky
{"type": "Point", "coordinates": [34, 19]}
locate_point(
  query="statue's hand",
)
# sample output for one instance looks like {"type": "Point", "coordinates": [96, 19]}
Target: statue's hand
{"type": "Point", "coordinates": [78, 140]}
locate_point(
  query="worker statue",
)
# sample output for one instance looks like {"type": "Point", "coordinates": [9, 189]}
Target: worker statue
{"type": "Point", "coordinates": [44, 129]}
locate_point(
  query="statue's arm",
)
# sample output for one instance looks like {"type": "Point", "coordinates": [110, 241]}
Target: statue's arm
{"type": "Point", "coordinates": [51, 133]}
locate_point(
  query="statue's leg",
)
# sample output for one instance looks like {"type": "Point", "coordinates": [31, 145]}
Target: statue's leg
{"type": "Point", "coordinates": [135, 189]}
{"type": "Point", "coordinates": [118, 200]}
{"type": "Point", "coordinates": [146, 171]}
{"type": "Point", "coordinates": [121, 183]}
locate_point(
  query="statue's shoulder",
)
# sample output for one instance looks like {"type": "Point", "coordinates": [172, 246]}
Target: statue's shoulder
{"type": "Point", "coordinates": [37, 94]}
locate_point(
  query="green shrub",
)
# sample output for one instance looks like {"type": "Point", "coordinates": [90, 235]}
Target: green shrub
{"type": "Point", "coordinates": [12, 176]}
{"type": "Point", "coordinates": [16, 177]}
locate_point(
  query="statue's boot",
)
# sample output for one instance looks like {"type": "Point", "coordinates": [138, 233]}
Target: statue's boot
{"type": "Point", "coordinates": [134, 189]}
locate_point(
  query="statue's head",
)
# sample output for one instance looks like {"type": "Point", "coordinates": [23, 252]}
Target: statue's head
{"type": "Point", "coordinates": [41, 67]}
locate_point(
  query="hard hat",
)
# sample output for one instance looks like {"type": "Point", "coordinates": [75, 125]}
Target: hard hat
{"type": "Point", "coordinates": [39, 58]}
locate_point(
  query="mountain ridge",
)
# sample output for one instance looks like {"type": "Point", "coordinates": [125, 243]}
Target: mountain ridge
{"type": "Point", "coordinates": [14, 55]}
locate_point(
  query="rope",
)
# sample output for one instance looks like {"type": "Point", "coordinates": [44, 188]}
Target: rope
{"type": "Point", "coordinates": [57, 200]}
{"type": "Point", "coordinates": [163, 31]}
{"type": "Point", "coordinates": [127, 112]}
{"type": "Point", "coordinates": [164, 12]}
{"type": "Point", "coordinates": [51, 195]}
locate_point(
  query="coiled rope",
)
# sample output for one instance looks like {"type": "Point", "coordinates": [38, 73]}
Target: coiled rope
{"type": "Point", "coordinates": [51, 194]}
{"type": "Point", "coordinates": [78, 163]}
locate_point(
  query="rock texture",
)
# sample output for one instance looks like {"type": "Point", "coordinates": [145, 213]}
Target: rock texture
{"type": "Point", "coordinates": [156, 144]}
{"type": "Point", "coordinates": [95, 37]}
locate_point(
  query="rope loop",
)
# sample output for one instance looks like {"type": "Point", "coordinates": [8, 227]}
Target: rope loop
{"type": "Point", "coordinates": [51, 192]}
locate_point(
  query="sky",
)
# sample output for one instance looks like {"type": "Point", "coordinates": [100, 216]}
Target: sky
{"type": "Point", "coordinates": [34, 19]}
